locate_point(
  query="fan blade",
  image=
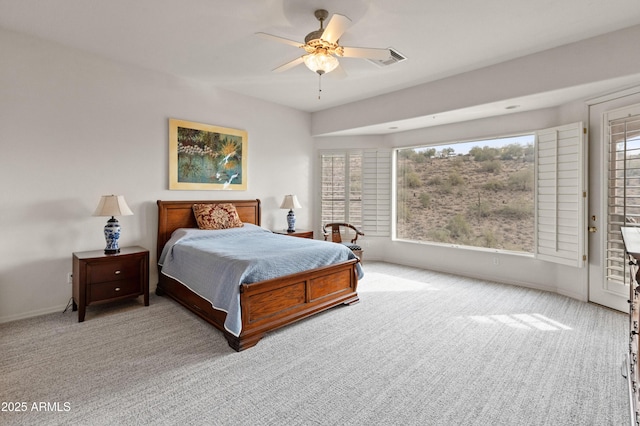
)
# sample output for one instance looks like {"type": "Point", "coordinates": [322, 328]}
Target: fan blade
{"type": "Point", "coordinates": [337, 25]}
{"type": "Point", "coordinates": [280, 39]}
{"type": "Point", "coordinates": [366, 53]}
{"type": "Point", "coordinates": [338, 74]}
{"type": "Point", "coordinates": [289, 65]}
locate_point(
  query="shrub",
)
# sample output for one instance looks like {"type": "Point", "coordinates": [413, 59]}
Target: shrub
{"type": "Point", "coordinates": [492, 166]}
{"type": "Point", "coordinates": [405, 153]}
{"type": "Point", "coordinates": [519, 210]}
{"type": "Point", "coordinates": [413, 180]}
{"type": "Point", "coordinates": [522, 180]}
{"type": "Point", "coordinates": [403, 212]}
{"type": "Point", "coordinates": [439, 235]}
{"type": "Point", "coordinates": [436, 181]}
{"type": "Point", "coordinates": [455, 179]}
{"type": "Point", "coordinates": [528, 152]}
{"type": "Point", "coordinates": [480, 209]}
{"type": "Point", "coordinates": [445, 188]}
{"type": "Point", "coordinates": [458, 162]}
{"type": "Point", "coordinates": [489, 239]}
{"type": "Point", "coordinates": [483, 154]}
{"type": "Point", "coordinates": [458, 226]}
{"type": "Point", "coordinates": [512, 151]}
{"type": "Point", "coordinates": [417, 157]}
{"type": "Point", "coordinates": [425, 200]}
{"type": "Point", "coordinates": [493, 185]}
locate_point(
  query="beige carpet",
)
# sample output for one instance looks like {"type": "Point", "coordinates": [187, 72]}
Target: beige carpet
{"type": "Point", "coordinates": [421, 348]}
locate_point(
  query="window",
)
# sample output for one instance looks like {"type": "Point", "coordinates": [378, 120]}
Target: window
{"type": "Point", "coordinates": [457, 194]}
{"type": "Point", "coordinates": [478, 193]}
{"type": "Point", "coordinates": [356, 188]}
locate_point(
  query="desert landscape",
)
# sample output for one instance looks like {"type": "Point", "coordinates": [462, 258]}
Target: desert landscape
{"type": "Point", "coordinates": [484, 198]}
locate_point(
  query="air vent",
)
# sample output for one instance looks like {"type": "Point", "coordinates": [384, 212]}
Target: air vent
{"type": "Point", "coordinates": [394, 58]}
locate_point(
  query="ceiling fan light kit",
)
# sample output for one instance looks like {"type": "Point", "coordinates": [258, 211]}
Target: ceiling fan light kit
{"type": "Point", "coordinates": [320, 62]}
{"type": "Point", "coordinates": [319, 58]}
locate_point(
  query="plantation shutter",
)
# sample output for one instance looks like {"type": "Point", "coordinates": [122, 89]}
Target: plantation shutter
{"type": "Point", "coordinates": [333, 189]}
{"type": "Point", "coordinates": [560, 202]}
{"type": "Point", "coordinates": [623, 204]}
{"type": "Point", "coordinates": [341, 187]}
{"type": "Point", "coordinates": [376, 192]}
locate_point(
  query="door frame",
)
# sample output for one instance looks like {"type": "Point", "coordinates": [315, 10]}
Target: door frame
{"type": "Point", "coordinates": [597, 195]}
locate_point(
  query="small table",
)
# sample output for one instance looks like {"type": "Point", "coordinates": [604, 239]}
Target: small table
{"type": "Point", "coordinates": [101, 278]}
{"type": "Point", "coordinates": [300, 233]}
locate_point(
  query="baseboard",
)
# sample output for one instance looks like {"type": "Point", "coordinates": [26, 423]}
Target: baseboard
{"type": "Point", "coordinates": [551, 289]}
{"type": "Point", "coordinates": [578, 296]}
{"type": "Point", "coordinates": [484, 277]}
{"type": "Point", "coordinates": [31, 314]}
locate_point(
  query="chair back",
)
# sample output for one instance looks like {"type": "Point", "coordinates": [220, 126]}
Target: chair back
{"type": "Point", "coordinates": [340, 230]}
{"type": "Point", "coordinates": [335, 233]}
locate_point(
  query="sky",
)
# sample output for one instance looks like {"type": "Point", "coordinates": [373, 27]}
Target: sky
{"type": "Point", "coordinates": [465, 147]}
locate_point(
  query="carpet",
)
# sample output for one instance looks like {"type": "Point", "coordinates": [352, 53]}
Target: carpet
{"type": "Point", "coordinates": [421, 348]}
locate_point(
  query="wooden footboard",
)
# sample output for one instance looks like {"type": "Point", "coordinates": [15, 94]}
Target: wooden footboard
{"type": "Point", "coordinates": [271, 304]}
{"type": "Point", "coordinates": [268, 305]}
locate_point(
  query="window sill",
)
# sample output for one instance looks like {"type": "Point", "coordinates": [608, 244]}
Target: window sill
{"type": "Point", "coordinates": [463, 247]}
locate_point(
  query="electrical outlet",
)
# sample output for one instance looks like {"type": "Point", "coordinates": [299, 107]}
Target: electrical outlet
{"type": "Point", "coordinates": [69, 278]}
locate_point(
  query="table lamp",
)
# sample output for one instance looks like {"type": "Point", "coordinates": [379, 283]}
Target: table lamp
{"type": "Point", "coordinates": [290, 202]}
{"type": "Point", "coordinates": [112, 205]}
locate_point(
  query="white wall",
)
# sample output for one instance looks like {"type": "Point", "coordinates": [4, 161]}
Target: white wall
{"type": "Point", "coordinates": [74, 126]}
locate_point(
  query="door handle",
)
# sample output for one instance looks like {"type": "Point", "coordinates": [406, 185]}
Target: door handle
{"type": "Point", "coordinates": [593, 229]}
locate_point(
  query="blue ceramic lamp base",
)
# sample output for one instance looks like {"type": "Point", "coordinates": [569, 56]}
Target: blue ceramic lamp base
{"type": "Point", "coordinates": [291, 221]}
{"type": "Point", "coordinates": [112, 235]}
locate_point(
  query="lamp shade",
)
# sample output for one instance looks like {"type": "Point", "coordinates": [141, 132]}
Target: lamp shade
{"type": "Point", "coordinates": [112, 205]}
{"type": "Point", "coordinates": [290, 202]}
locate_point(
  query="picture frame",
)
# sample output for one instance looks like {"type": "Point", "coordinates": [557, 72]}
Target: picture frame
{"type": "Point", "coordinates": [206, 157]}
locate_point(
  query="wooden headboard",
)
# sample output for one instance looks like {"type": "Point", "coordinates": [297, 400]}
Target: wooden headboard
{"type": "Point", "coordinates": [179, 214]}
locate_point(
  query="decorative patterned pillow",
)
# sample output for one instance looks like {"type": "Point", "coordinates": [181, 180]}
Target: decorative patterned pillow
{"type": "Point", "coordinates": [217, 216]}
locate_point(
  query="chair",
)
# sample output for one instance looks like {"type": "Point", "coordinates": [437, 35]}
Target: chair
{"type": "Point", "coordinates": [336, 236]}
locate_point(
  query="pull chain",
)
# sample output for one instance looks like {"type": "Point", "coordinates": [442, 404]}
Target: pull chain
{"type": "Point", "coordinates": [319, 85]}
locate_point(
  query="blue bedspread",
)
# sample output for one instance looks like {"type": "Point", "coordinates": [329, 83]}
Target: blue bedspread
{"type": "Point", "coordinates": [213, 264]}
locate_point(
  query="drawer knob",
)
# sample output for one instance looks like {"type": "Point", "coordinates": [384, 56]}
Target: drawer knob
{"type": "Point", "coordinates": [117, 288]}
{"type": "Point", "coordinates": [117, 272]}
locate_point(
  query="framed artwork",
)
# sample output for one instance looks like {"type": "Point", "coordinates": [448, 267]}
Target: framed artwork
{"type": "Point", "coordinates": [202, 156]}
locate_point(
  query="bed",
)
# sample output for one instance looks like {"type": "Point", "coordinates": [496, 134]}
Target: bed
{"type": "Point", "coordinates": [263, 305]}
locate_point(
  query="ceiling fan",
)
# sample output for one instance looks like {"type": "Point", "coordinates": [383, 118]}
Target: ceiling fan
{"type": "Point", "coordinates": [322, 46]}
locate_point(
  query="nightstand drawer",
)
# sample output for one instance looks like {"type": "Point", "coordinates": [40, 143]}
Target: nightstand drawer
{"type": "Point", "coordinates": [113, 289]}
{"type": "Point", "coordinates": [121, 269]}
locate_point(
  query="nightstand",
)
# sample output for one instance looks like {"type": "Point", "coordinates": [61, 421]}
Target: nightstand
{"type": "Point", "coordinates": [102, 278]}
{"type": "Point", "coordinates": [300, 233]}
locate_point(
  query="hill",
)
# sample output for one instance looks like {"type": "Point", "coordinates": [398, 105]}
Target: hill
{"type": "Point", "coordinates": [459, 200]}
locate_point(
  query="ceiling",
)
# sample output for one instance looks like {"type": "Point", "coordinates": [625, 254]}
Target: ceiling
{"type": "Point", "coordinates": [215, 42]}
